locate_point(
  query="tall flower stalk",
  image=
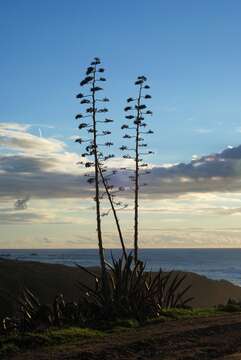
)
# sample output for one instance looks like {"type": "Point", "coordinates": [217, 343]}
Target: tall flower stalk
{"type": "Point", "coordinates": [137, 114]}
{"type": "Point", "coordinates": [92, 150]}
{"type": "Point", "coordinates": [100, 175]}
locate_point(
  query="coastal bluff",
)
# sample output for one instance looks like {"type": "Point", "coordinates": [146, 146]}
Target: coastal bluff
{"type": "Point", "coordinates": [48, 280]}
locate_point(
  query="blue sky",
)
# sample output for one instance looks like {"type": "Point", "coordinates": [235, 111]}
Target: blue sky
{"type": "Point", "coordinates": [189, 50]}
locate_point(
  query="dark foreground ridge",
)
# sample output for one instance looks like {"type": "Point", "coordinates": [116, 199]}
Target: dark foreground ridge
{"type": "Point", "coordinates": [200, 338]}
{"type": "Point", "coordinates": [192, 337]}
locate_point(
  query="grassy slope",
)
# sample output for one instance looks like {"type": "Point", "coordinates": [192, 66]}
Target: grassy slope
{"type": "Point", "coordinates": [73, 335]}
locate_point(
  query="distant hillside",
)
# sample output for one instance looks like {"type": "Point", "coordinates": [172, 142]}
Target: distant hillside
{"type": "Point", "coordinates": [47, 280]}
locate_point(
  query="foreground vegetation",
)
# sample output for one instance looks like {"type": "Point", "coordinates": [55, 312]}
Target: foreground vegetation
{"type": "Point", "coordinates": [130, 292]}
{"type": "Point", "coordinates": [52, 337]}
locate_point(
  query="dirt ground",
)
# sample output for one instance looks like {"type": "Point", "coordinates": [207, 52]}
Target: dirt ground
{"type": "Point", "coordinates": [200, 338]}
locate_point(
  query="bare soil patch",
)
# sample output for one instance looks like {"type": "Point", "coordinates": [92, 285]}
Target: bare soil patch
{"type": "Point", "coordinates": [201, 338]}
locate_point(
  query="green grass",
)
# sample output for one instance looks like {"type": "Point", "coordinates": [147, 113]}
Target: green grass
{"type": "Point", "coordinates": [175, 314]}
{"type": "Point", "coordinates": [15, 343]}
{"type": "Point", "coordinates": [187, 313]}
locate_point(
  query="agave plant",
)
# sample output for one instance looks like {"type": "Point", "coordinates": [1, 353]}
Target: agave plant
{"type": "Point", "coordinates": [172, 291]}
{"type": "Point", "coordinates": [65, 313]}
{"type": "Point", "coordinates": [35, 315]}
{"type": "Point", "coordinates": [133, 293]}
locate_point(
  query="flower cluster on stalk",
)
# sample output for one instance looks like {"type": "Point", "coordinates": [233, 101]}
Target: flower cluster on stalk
{"type": "Point", "coordinates": [135, 128]}
{"type": "Point", "coordinates": [94, 127]}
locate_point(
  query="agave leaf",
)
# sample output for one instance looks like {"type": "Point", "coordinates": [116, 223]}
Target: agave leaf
{"type": "Point", "coordinates": [186, 301]}
{"type": "Point", "coordinates": [32, 297]}
{"type": "Point", "coordinates": [95, 294]}
{"type": "Point", "coordinates": [163, 288]}
{"type": "Point", "coordinates": [109, 265]}
{"type": "Point", "coordinates": [87, 271]}
{"type": "Point", "coordinates": [179, 282]}
{"type": "Point", "coordinates": [181, 294]}
{"type": "Point", "coordinates": [27, 302]}
{"type": "Point", "coordinates": [156, 279]}
{"type": "Point", "coordinates": [27, 315]}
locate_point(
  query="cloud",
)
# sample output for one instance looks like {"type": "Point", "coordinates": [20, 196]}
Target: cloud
{"type": "Point", "coordinates": [177, 195]}
{"type": "Point", "coordinates": [192, 238]}
{"type": "Point", "coordinates": [10, 216]}
{"type": "Point", "coordinates": [44, 168]}
{"type": "Point", "coordinates": [214, 172]}
{"type": "Point", "coordinates": [36, 166]}
{"type": "Point", "coordinates": [13, 126]}
{"type": "Point", "coordinates": [16, 137]}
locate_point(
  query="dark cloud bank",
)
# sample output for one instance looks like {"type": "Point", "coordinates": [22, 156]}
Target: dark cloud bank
{"type": "Point", "coordinates": [36, 176]}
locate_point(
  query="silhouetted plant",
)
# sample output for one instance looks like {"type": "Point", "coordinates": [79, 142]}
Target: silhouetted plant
{"type": "Point", "coordinates": [172, 290]}
{"type": "Point", "coordinates": [123, 289]}
{"type": "Point", "coordinates": [9, 325]}
{"type": "Point", "coordinates": [136, 115]}
{"type": "Point", "coordinates": [92, 79]}
{"type": "Point", "coordinates": [33, 313]}
{"type": "Point", "coordinates": [133, 293]}
{"type": "Point", "coordinates": [92, 150]}
{"type": "Point", "coordinates": [36, 315]}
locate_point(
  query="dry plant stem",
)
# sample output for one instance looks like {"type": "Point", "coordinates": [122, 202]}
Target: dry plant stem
{"type": "Point", "coordinates": [97, 192]}
{"type": "Point", "coordinates": [114, 214]}
{"type": "Point", "coordinates": [136, 201]}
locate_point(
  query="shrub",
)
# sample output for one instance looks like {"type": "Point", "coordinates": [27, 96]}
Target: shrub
{"type": "Point", "coordinates": [133, 293]}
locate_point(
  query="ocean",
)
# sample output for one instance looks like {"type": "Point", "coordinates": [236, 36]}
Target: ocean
{"type": "Point", "coordinates": [214, 263]}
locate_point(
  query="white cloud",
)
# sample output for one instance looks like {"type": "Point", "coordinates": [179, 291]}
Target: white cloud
{"type": "Point", "coordinates": [16, 137]}
{"type": "Point", "coordinates": [14, 126]}
{"type": "Point", "coordinates": [43, 168]}
{"type": "Point", "coordinates": [192, 238]}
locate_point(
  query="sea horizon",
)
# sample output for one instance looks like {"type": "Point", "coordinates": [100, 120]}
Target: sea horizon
{"type": "Point", "coordinates": [214, 263]}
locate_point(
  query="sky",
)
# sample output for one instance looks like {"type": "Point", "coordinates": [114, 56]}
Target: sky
{"type": "Point", "coordinates": [190, 52]}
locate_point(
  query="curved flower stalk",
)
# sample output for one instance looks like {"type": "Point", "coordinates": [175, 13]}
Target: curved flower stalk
{"type": "Point", "coordinates": [111, 193]}
{"type": "Point", "coordinates": [135, 129]}
{"type": "Point", "coordinates": [95, 111]}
